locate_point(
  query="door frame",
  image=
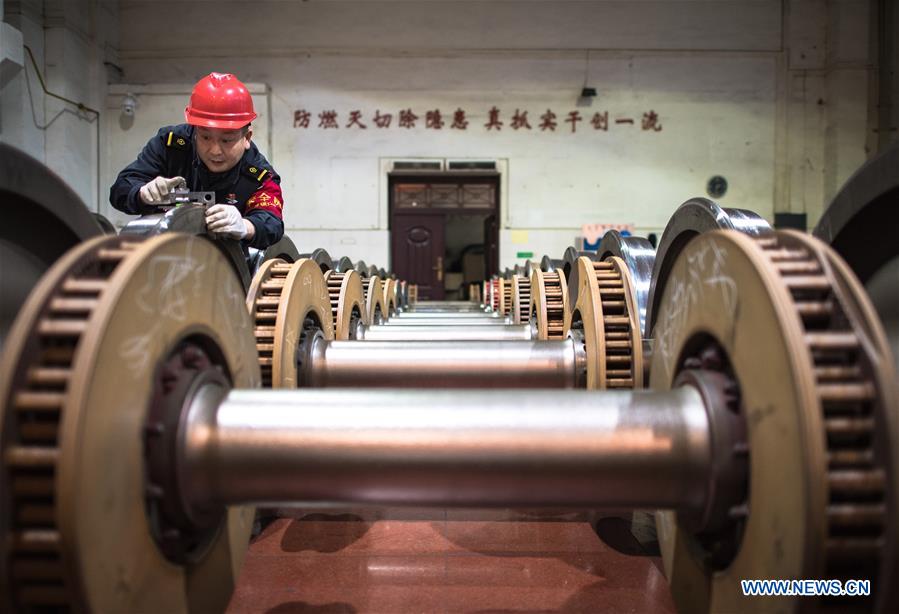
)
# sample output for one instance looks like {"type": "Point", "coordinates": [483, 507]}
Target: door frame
{"type": "Point", "coordinates": [385, 168]}
{"type": "Point", "coordinates": [491, 266]}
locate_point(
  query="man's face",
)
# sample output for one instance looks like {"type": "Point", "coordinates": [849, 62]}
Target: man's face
{"type": "Point", "coordinates": [220, 150]}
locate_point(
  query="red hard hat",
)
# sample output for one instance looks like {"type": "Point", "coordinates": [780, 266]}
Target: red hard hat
{"type": "Point", "coordinates": [220, 100]}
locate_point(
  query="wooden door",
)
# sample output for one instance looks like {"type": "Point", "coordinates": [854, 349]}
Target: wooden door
{"type": "Point", "coordinates": [417, 251]}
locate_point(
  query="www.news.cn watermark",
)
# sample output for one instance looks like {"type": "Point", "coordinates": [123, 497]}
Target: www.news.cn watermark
{"type": "Point", "coordinates": [806, 588]}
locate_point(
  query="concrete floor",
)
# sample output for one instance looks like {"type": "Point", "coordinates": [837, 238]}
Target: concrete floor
{"type": "Point", "coordinates": [396, 561]}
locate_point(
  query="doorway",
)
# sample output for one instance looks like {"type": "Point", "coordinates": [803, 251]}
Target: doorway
{"type": "Point", "coordinates": [444, 230]}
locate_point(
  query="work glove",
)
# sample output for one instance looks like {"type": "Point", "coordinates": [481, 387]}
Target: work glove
{"type": "Point", "coordinates": [226, 221]}
{"type": "Point", "coordinates": [155, 192]}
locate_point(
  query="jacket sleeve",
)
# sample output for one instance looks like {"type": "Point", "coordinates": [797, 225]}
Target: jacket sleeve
{"type": "Point", "coordinates": [150, 163]}
{"type": "Point", "coordinates": [264, 210]}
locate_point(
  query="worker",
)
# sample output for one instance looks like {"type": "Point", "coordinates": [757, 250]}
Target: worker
{"type": "Point", "coordinates": [212, 152]}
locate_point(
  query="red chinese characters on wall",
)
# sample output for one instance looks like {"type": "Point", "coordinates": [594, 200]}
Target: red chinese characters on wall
{"type": "Point", "coordinates": [651, 122]}
{"type": "Point", "coordinates": [493, 123]}
{"type": "Point", "coordinates": [459, 121]}
{"type": "Point", "coordinates": [573, 118]}
{"type": "Point", "coordinates": [382, 121]}
{"type": "Point", "coordinates": [301, 118]}
{"type": "Point", "coordinates": [327, 119]}
{"type": "Point", "coordinates": [520, 120]}
{"type": "Point", "coordinates": [356, 120]}
{"type": "Point", "coordinates": [434, 120]}
{"type": "Point", "coordinates": [548, 121]}
{"type": "Point", "coordinates": [407, 119]}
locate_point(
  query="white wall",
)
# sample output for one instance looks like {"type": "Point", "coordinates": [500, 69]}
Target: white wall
{"type": "Point", "coordinates": [21, 99]}
{"type": "Point", "coordinates": [736, 84]}
{"type": "Point", "coordinates": [70, 40]}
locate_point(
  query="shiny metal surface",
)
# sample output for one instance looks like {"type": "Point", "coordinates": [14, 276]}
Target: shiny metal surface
{"type": "Point", "coordinates": [522, 332]}
{"type": "Point", "coordinates": [440, 321]}
{"type": "Point", "coordinates": [322, 259]}
{"type": "Point", "coordinates": [459, 307]}
{"type": "Point", "coordinates": [191, 219]}
{"type": "Point", "coordinates": [569, 258]}
{"type": "Point", "coordinates": [427, 312]}
{"type": "Point", "coordinates": [883, 290]}
{"type": "Point", "coordinates": [31, 189]}
{"type": "Point", "coordinates": [358, 331]}
{"type": "Point", "coordinates": [484, 448]}
{"type": "Point", "coordinates": [639, 255]}
{"type": "Point", "coordinates": [151, 223]}
{"type": "Point", "coordinates": [183, 196]}
{"type": "Point", "coordinates": [444, 306]}
{"type": "Point", "coordinates": [106, 226]}
{"type": "Point", "coordinates": [445, 364]}
{"type": "Point", "coordinates": [528, 268]}
{"type": "Point", "coordinates": [43, 218]}
{"type": "Point", "coordinates": [283, 249]}
{"type": "Point", "coordinates": [694, 217]}
{"type": "Point", "coordinates": [866, 205]}
{"type": "Point", "coordinates": [403, 296]}
{"type": "Point", "coordinates": [477, 310]}
{"type": "Point", "coordinates": [343, 264]}
{"type": "Point", "coordinates": [449, 315]}
{"type": "Point", "coordinates": [548, 264]}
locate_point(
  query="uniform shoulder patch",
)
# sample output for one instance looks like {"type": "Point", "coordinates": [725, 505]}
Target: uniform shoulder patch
{"type": "Point", "coordinates": [175, 140]}
{"type": "Point", "coordinates": [256, 172]}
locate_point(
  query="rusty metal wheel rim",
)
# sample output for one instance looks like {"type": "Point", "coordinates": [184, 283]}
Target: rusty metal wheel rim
{"type": "Point", "coordinates": [750, 293]}
{"type": "Point", "coordinates": [321, 257]}
{"type": "Point", "coordinates": [607, 313]}
{"type": "Point", "coordinates": [263, 299]}
{"type": "Point", "coordinates": [691, 219]}
{"type": "Point", "coordinates": [303, 304]}
{"type": "Point", "coordinates": [121, 315]}
{"type": "Point", "coordinates": [374, 300]}
{"type": "Point", "coordinates": [347, 298]}
{"type": "Point", "coordinates": [521, 299]}
{"type": "Point", "coordinates": [860, 409]}
{"type": "Point", "coordinates": [639, 255]}
{"type": "Point", "coordinates": [496, 294]}
{"type": "Point", "coordinates": [506, 304]}
{"type": "Point", "coordinates": [549, 304]}
{"type": "Point", "coordinates": [389, 290]}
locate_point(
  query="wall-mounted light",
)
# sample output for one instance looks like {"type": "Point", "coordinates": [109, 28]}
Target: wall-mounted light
{"type": "Point", "coordinates": [586, 97]}
{"type": "Point", "coordinates": [587, 93]}
{"type": "Point", "coordinates": [129, 104]}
